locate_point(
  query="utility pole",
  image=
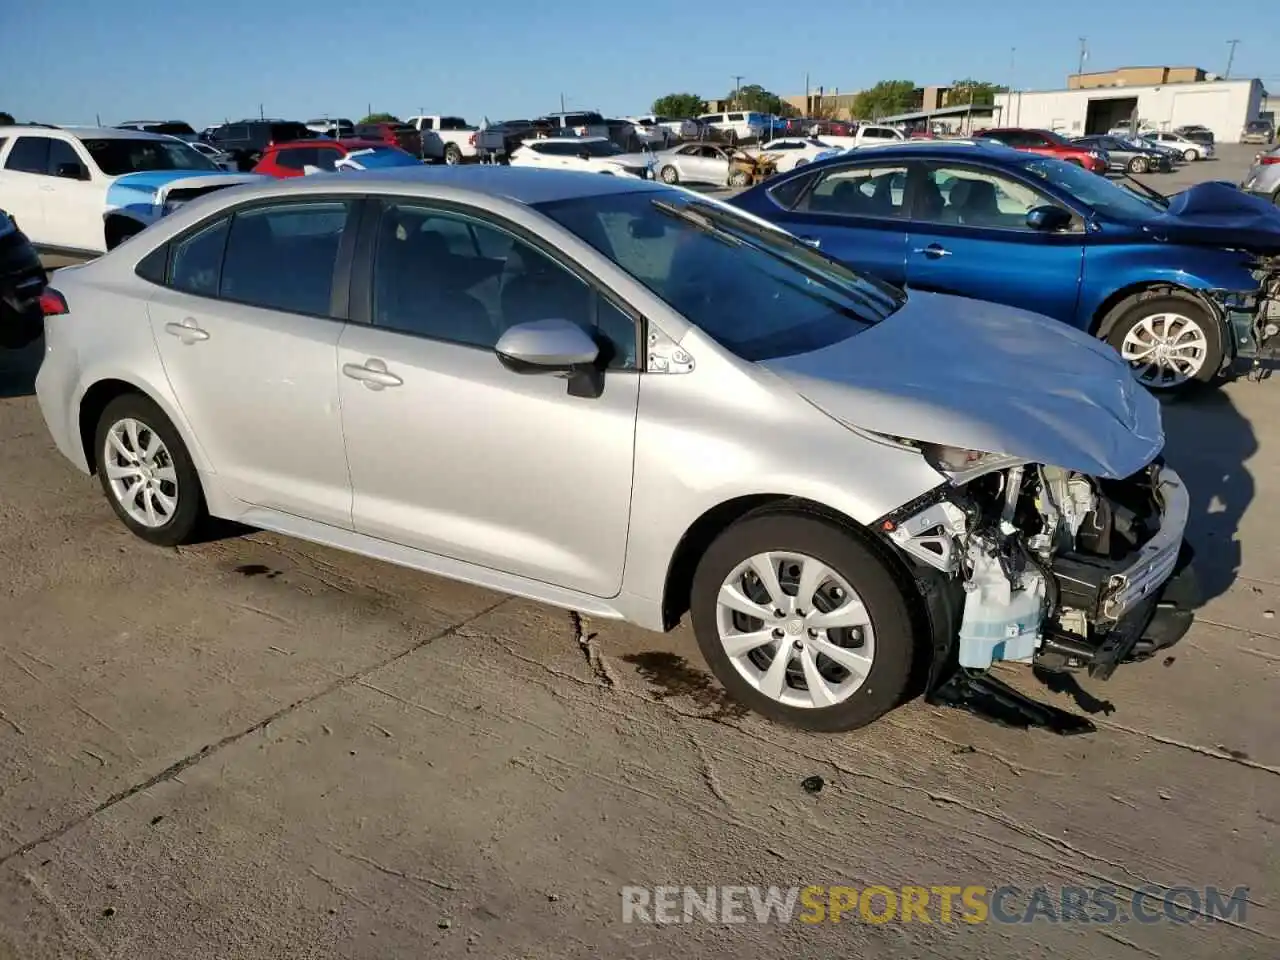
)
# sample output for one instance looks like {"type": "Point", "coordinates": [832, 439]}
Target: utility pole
{"type": "Point", "coordinates": [1013, 60]}
{"type": "Point", "coordinates": [1231, 57]}
{"type": "Point", "coordinates": [808, 104]}
{"type": "Point", "coordinates": [737, 87]}
{"type": "Point", "coordinates": [562, 103]}
{"type": "Point", "coordinates": [261, 115]}
{"type": "Point", "coordinates": [1084, 54]}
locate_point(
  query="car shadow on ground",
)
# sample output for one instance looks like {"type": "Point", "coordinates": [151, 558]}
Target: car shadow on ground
{"type": "Point", "coordinates": [18, 370]}
{"type": "Point", "coordinates": [1208, 442]}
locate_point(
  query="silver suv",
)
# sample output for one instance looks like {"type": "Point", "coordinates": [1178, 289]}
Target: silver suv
{"type": "Point", "coordinates": [632, 401]}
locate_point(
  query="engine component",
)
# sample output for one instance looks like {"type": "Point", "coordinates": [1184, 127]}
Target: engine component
{"type": "Point", "coordinates": [1003, 611]}
{"type": "Point", "coordinates": [930, 536]}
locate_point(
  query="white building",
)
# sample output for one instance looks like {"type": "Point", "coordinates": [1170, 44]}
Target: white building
{"type": "Point", "coordinates": [1224, 106]}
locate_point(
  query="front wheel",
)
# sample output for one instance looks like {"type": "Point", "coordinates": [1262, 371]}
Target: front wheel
{"type": "Point", "coordinates": [1190, 155]}
{"type": "Point", "coordinates": [738, 178]}
{"type": "Point", "coordinates": [1138, 165]}
{"type": "Point", "coordinates": [146, 472]}
{"type": "Point", "coordinates": [669, 174]}
{"type": "Point", "coordinates": [802, 622]}
{"type": "Point", "coordinates": [1172, 343]}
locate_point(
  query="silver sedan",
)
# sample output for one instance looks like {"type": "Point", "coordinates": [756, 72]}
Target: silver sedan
{"type": "Point", "coordinates": [627, 400]}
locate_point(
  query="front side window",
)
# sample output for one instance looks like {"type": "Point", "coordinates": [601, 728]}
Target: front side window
{"type": "Point", "coordinates": [976, 197]}
{"type": "Point", "coordinates": [450, 277]}
{"type": "Point", "coordinates": [864, 191]}
{"type": "Point", "coordinates": [117, 156]}
{"type": "Point", "coordinates": [63, 159]}
{"type": "Point", "coordinates": [282, 257]}
{"type": "Point", "coordinates": [296, 159]}
{"type": "Point", "coordinates": [757, 291]}
{"type": "Point", "coordinates": [29, 155]}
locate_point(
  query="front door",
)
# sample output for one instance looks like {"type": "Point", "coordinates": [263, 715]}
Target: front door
{"type": "Point", "coordinates": [857, 213]}
{"type": "Point", "coordinates": [73, 208]}
{"type": "Point", "coordinates": [706, 164]}
{"type": "Point", "coordinates": [969, 236]}
{"type": "Point", "coordinates": [250, 349]}
{"type": "Point", "coordinates": [452, 453]}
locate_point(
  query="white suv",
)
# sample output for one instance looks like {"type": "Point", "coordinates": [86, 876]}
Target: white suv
{"type": "Point", "coordinates": [85, 190]}
{"type": "Point", "coordinates": [736, 125]}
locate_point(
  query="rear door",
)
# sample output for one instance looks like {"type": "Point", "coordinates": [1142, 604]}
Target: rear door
{"type": "Point", "coordinates": [247, 325]}
{"type": "Point", "coordinates": [23, 183]}
{"type": "Point", "coordinates": [968, 236]}
{"type": "Point", "coordinates": [856, 212]}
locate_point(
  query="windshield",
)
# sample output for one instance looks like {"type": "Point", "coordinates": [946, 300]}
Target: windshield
{"type": "Point", "coordinates": [121, 155]}
{"type": "Point", "coordinates": [1095, 192]}
{"type": "Point", "coordinates": [756, 291]}
{"type": "Point", "coordinates": [599, 148]}
{"type": "Point", "coordinates": [1258, 126]}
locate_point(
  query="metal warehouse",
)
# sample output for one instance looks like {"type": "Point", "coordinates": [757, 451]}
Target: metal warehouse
{"type": "Point", "coordinates": [1224, 106]}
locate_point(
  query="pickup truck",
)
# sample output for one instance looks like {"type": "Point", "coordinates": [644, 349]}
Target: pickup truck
{"type": "Point", "coordinates": [447, 139]}
{"type": "Point", "coordinates": [497, 141]}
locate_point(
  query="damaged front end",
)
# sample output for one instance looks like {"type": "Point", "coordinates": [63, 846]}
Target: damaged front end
{"type": "Point", "coordinates": [1037, 564]}
{"type": "Point", "coordinates": [1254, 317]}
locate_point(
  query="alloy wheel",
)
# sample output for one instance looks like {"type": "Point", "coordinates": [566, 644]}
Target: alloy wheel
{"type": "Point", "coordinates": [795, 630]}
{"type": "Point", "coordinates": [140, 473]}
{"type": "Point", "coordinates": [1165, 349]}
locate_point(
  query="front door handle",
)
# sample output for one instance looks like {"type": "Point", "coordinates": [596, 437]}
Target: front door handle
{"type": "Point", "coordinates": [933, 251]}
{"type": "Point", "coordinates": [811, 241]}
{"type": "Point", "coordinates": [187, 331]}
{"type": "Point", "coordinates": [372, 373]}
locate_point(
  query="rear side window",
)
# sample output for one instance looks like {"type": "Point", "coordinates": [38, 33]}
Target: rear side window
{"type": "Point", "coordinates": [284, 132]}
{"type": "Point", "coordinates": [196, 264]}
{"type": "Point", "coordinates": [735, 117]}
{"type": "Point", "coordinates": [29, 155]}
{"type": "Point", "coordinates": [453, 123]}
{"type": "Point", "coordinates": [63, 157]}
{"type": "Point", "coordinates": [283, 257]}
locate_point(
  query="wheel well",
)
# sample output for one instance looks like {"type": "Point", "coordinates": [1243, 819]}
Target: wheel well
{"type": "Point", "coordinates": [94, 402]}
{"type": "Point", "coordinates": [704, 530]}
{"type": "Point", "coordinates": [1105, 317]}
{"type": "Point", "coordinates": [118, 227]}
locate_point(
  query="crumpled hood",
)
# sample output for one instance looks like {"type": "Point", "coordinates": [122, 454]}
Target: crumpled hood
{"type": "Point", "coordinates": [982, 376]}
{"type": "Point", "coordinates": [159, 182]}
{"type": "Point", "coordinates": [1220, 214]}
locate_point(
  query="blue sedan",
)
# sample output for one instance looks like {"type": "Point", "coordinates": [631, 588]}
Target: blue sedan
{"type": "Point", "coordinates": [1180, 286]}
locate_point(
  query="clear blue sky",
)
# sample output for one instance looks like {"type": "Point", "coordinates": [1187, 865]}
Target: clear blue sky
{"type": "Point", "coordinates": [205, 60]}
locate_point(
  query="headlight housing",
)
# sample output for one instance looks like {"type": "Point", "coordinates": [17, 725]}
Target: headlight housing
{"type": "Point", "coordinates": [960, 464]}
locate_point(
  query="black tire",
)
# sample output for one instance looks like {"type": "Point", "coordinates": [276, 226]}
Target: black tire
{"type": "Point", "coordinates": [1133, 311]}
{"type": "Point", "coordinates": [190, 510]}
{"type": "Point", "coordinates": [841, 550]}
{"type": "Point", "coordinates": [669, 174]}
{"type": "Point", "coordinates": [1138, 165]}
{"type": "Point", "coordinates": [452, 154]}
{"type": "Point", "coordinates": [119, 230]}
{"type": "Point", "coordinates": [739, 178]}
{"type": "Point", "coordinates": [1190, 155]}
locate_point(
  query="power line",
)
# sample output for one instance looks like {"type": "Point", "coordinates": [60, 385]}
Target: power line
{"type": "Point", "coordinates": [1230, 58]}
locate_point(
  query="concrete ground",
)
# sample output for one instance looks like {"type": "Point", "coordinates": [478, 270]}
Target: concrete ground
{"type": "Point", "coordinates": [257, 748]}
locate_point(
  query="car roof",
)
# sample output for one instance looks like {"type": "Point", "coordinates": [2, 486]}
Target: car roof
{"type": "Point", "coordinates": [926, 149]}
{"type": "Point", "coordinates": [350, 143]}
{"type": "Point", "coordinates": [523, 185]}
{"type": "Point", "coordinates": [86, 133]}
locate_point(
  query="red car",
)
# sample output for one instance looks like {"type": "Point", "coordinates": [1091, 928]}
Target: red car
{"type": "Point", "coordinates": [400, 135]}
{"type": "Point", "coordinates": [1047, 144]}
{"type": "Point", "coordinates": [291, 159]}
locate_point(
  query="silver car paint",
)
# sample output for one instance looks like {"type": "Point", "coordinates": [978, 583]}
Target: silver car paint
{"type": "Point", "coordinates": [557, 527]}
{"type": "Point", "coordinates": [968, 373]}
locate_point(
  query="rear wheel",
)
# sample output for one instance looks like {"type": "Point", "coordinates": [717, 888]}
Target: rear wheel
{"type": "Point", "coordinates": [452, 154]}
{"type": "Point", "coordinates": [1172, 343]}
{"type": "Point", "coordinates": [669, 174]}
{"type": "Point", "coordinates": [738, 178]}
{"type": "Point", "coordinates": [1138, 165]}
{"type": "Point", "coordinates": [802, 622]}
{"type": "Point", "coordinates": [146, 472]}
{"type": "Point", "coordinates": [1190, 155]}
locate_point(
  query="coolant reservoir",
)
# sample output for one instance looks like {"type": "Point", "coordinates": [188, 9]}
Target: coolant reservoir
{"type": "Point", "coordinates": [1001, 620]}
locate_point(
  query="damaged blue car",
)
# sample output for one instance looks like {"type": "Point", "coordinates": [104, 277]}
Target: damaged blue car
{"type": "Point", "coordinates": [1181, 286]}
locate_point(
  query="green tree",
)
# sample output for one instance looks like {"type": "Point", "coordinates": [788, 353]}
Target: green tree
{"type": "Point", "coordinates": [757, 98]}
{"type": "Point", "coordinates": [679, 105]}
{"type": "Point", "coordinates": [381, 118]}
{"type": "Point", "coordinates": [978, 92]}
{"type": "Point", "coordinates": [885, 99]}
{"type": "Point", "coordinates": [6, 119]}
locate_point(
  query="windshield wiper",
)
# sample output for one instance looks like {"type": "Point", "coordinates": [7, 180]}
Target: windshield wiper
{"type": "Point", "coordinates": [1159, 198]}
{"type": "Point", "coordinates": [788, 250]}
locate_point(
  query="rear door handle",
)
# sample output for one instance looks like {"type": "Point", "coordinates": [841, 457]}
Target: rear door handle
{"type": "Point", "coordinates": [811, 241]}
{"type": "Point", "coordinates": [187, 331]}
{"type": "Point", "coordinates": [372, 373]}
{"type": "Point", "coordinates": [933, 251]}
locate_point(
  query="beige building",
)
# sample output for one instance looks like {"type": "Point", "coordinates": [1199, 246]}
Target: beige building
{"type": "Point", "coordinates": [1135, 77]}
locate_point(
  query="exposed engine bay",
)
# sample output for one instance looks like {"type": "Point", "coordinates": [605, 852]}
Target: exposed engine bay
{"type": "Point", "coordinates": [1056, 568]}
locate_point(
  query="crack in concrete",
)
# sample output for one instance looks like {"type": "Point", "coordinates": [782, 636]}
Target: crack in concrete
{"type": "Point", "coordinates": [591, 650]}
{"type": "Point", "coordinates": [171, 772]}
{"type": "Point", "coordinates": [1193, 747]}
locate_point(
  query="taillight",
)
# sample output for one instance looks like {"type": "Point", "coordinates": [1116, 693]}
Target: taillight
{"type": "Point", "coordinates": [472, 140]}
{"type": "Point", "coordinates": [1271, 158]}
{"type": "Point", "coordinates": [52, 303]}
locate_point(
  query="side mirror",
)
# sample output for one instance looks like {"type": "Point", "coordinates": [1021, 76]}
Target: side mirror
{"type": "Point", "coordinates": [71, 171]}
{"type": "Point", "coordinates": [553, 346]}
{"type": "Point", "coordinates": [584, 155]}
{"type": "Point", "coordinates": [1048, 218]}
